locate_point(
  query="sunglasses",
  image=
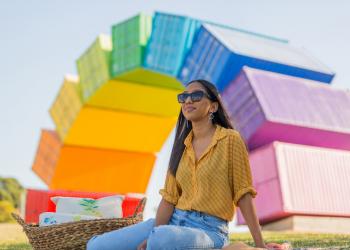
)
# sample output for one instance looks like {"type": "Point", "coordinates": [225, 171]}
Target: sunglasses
{"type": "Point", "coordinates": [196, 96]}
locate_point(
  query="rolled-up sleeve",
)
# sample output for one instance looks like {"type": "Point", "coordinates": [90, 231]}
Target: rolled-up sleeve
{"type": "Point", "coordinates": [242, 176]}
{"type": "Point", "coordinates": [170, 192]}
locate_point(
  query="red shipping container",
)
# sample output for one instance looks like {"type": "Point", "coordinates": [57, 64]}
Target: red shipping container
{"type": "Point", "coordinates": [130, 202]}
{"type": "Point", "coordinates": [38, 201]}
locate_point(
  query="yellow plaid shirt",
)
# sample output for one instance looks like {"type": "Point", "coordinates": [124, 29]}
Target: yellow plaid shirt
{"type": "Point", "coordinates": [204, 185]}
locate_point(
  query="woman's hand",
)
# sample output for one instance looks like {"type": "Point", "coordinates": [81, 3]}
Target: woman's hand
{"type": "Point", "coordinates": [143, 245]}
{"type": "Point", "coordinates": [240, 245]}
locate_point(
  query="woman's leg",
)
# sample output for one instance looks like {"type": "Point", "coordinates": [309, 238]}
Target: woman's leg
{"type": "Point", "coordinates": [171, 237]}
{"type": "Point", "coordinates": [122, 239]}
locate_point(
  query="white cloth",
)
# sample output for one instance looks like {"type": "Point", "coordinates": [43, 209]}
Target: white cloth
{"type": "Point", "coordinates": [106, 207]}
{"type": "Point", "coordinates": [51, 218]}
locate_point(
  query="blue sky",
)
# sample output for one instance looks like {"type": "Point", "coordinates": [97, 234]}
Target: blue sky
{"type": "Point", "coordinates": [40, 41]}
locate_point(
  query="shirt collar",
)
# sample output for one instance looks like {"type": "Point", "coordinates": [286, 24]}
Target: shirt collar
{"type": "Point", "coordinates": [220, 132]}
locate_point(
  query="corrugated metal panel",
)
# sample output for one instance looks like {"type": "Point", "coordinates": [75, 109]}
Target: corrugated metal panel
{"type": "Point", "coordinates": [66, 106]}
{"type": "Point", "coordinates": [218, 54]}
{"type": "Point", "coordinates": [171, 38]}
{"type": "Point", "coordinates": [129, 40]}
{"type": "Point", "coordinates": [266, 106]}
{"type": "Point", "coordinates": [102, 170]}
{"type": "Point", "coordinates": [36, 203]}
{"type": "Point", "coordinates": [47, 155]}
{"type": "Point", "coordinates": [132, 31]}
{"type": "Point", "coordinates": [94, 66]}
{"type": "Point", "coordinates": [297, 179]}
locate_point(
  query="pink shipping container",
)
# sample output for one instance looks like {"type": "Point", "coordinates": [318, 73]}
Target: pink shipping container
{"type": "Point", "coordinates": [266, 106]}
{"type": "Point", "coordinates": [294, 179]}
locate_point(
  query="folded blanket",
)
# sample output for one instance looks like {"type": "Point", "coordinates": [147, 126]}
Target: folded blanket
{"type": "Point", "coordinates": [51, 218]}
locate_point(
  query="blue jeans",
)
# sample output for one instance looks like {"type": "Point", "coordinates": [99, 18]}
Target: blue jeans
{"type": "Point", "coordinates": [185, 230]}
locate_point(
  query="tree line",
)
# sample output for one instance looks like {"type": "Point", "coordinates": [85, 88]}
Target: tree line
{"type": "Point", "coordinates": [10, 198]}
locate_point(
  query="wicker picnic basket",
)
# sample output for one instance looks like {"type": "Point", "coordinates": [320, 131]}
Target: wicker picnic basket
{"type": "Point", "coordinates": [75, 235]}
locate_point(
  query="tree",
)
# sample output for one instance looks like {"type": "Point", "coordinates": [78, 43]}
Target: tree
{"type": "Point", "coordinates": [6, 196]}
{"type": "Point", "coordinates": [10, 193]}
{"type": "Point", "coordinates": [6, 208]}
{"type": "Point", "coordinates": [10, 190]}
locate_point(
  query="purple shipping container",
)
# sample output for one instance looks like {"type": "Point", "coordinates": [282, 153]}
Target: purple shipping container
{"type": "Point", "coordinates": [296, 179]}
{"type": "Point", "coordinates": [266, 106]}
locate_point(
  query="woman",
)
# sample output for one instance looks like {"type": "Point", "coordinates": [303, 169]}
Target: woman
{"type": "Point", "coordinates": [208, 176]}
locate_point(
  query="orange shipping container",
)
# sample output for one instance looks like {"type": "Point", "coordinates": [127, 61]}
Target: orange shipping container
{"type": "Point", "coordinates": [47, 154]}
{"type": "Point", "coordinates": [102, 170]}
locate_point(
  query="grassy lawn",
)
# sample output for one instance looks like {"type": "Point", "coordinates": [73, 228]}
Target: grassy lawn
{"type": "Point", "coordinates": [12, 237]}
{"type": "Point", "coordinates": [299, 240]}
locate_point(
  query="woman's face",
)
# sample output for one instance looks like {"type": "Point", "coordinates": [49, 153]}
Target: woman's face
{"type": "Point", "coordinates": [196, 111]}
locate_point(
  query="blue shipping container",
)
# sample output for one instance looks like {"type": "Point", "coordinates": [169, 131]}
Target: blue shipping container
{"type": "Point", "coordinates": [170, 40]}
{"type": "Point", "coordinates": [218, 55]}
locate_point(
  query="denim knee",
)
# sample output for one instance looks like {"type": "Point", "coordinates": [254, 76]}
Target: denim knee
{"type": "Point", "coordinates": [91, 244]}
{"type": "Point", "coordinates": [160, 238]}
{"type": "Point", "coordinates": [123, 238]}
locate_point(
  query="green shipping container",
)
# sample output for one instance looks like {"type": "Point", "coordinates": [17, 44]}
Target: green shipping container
{"type": "Point", "coordinates": [94, 66]}
{"type": "Point", "coordinates": [129, 39]}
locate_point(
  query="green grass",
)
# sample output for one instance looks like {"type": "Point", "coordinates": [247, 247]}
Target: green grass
{"type": "Point", "coordinates": [15, 246]}
{"type": "Point", "coordinates": [13, 238]}
{"type": "Point", "coordinates": [298, 240]}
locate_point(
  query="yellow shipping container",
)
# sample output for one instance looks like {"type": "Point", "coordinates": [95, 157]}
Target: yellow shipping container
{"type": "Point", "coordinates": [139, 98]}
{"type": "Point", "coordinates": [66, 105]}
{"type": "Point", "coordinates": [150, 77]}
{"type": "Point", "coordinates": [109, 129]}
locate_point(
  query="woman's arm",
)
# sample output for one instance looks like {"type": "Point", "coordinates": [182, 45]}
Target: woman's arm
{"type": "Point", "coordinates": [247, 208]}
{"type": "Point", "coordinates": [164, 212]}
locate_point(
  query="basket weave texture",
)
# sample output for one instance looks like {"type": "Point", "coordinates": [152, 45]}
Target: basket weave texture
{"type": "Point", "coordinates": [75, 235]}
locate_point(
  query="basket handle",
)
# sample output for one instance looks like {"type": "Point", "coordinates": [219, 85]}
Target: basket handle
{"type": "Point", "coordinates": [18, 219]}
{"type": "Point", "coordinates": [141, 205]}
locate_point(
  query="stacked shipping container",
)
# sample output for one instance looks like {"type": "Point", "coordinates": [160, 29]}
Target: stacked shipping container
{"type": "Point", "coordinates": [116, 116]}
{"type": "Point", "coordinates": [219, 54]}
